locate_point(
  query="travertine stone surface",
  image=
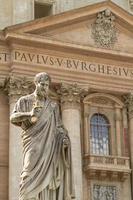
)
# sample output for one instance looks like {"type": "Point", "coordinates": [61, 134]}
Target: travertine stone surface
{"type": "Point", "coordinates": [72, 4]}
{"type": "Point", "coordinates": [129, 103]}
{"type": "Point", "coordinates": [18, 11]}
{"type": "Point", "coordinates": [15, 157]}
{"type": "Point", "coordinates": [4, 142]}
{"type": "Point", "coordinates": [15, 87]}
{"type": "Point", "coordinates": [63, 47]}
{"type": "Point", "coordinates": [15, 151]}
{"type": "Point", "coordinates": [71, 116]}
{"type": "Point", "coordinates": [71, 120]}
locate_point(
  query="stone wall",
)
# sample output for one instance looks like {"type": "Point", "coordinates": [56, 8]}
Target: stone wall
{"type": "Point", "coordinates": [4, 137]}
{"type": "Point", "coordinates": [18, 11]}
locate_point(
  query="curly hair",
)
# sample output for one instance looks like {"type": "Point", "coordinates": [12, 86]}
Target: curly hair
{"type": "Point", "coordinates": [42, 76]}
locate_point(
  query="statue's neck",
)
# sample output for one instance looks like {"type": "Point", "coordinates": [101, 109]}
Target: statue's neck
{"type": "Point", "coordinates": [39, 97]}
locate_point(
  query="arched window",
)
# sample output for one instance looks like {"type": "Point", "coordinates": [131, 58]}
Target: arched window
{"type": "Point", "coordinates": [99, 141]}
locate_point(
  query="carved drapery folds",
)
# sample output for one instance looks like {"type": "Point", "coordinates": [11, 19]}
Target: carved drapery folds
{"type": "Point", "coordinates": [104, 31]}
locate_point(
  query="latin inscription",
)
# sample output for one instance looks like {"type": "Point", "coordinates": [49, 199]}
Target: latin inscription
{"type": "Point", "coordinates": [66, 63]}
{"type": "Point", "coordinates": [73, 64]}
{"type": "Point", "coordinates": [4, 57]}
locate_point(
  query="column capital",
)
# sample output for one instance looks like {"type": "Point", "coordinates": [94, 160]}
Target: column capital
{"type": "Point", "coordinates": [71, 95]}
{"type": "Point", "coordinates": [16, 86]}
{"type": "Point", "coordinates": [129, 104]}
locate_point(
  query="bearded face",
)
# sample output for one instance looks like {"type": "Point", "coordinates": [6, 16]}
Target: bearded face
{"type": "Point", "coordinates": [42, 88]}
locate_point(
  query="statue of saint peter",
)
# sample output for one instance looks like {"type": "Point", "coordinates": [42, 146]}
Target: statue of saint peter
{"type": "Point", "coordinates": [47, 171]}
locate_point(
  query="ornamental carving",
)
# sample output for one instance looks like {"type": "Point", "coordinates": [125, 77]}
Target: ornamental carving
{"type": "Point", "coordinates": [72, 93]}
{"type": "Point", "coordinates": [18, 86]}
{"type": "Point", "coordinates": [129, 99]}
{"type": "Point", "coordinates": [102, 101]}
{"type": "Point", "coordinates": [104, 31]}
{"type": "Point", "coordinates": [129, 103]}
{"type": "Point", "coordinates": [101, 192]}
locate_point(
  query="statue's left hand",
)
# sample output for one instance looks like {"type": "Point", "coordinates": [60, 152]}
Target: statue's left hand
{"type": "Point", "coordinates": [66, 141]}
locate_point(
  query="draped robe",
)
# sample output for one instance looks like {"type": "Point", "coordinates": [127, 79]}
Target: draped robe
{"type": "Point", "coordinates": [47, 172]}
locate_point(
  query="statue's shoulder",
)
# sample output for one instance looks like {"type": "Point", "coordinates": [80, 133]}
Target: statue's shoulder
{"type": "Point", "coordinates": [29, 97]}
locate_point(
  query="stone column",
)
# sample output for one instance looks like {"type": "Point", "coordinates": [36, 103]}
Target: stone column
{"type": "Point", "coordinates": [129, 103]}
{"type": "Point", "coordinates": [71, 116]}
{"type": "Point", "coordinates": [125, 133]}
{"type": "Point", "coordinates": [86, 128]}
{"type": "Point", "coordinates": [118, 129]}
{"type": "Point", "coordinates": [16, 88]}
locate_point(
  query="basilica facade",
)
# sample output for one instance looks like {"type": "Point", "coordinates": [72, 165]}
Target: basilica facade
{"type": "Point", "coordinates": [88, 52]}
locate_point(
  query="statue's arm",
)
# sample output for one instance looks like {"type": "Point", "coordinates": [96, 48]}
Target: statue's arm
{"type": "Point", "coordinates": [18, 117]}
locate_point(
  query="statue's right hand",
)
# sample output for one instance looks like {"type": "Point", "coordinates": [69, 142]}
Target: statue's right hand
{"type": "Point", "coordinates": [35, 112]}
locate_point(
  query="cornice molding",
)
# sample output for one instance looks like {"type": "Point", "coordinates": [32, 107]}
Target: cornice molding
{"type": "Point", "coordinates": [50, 44]}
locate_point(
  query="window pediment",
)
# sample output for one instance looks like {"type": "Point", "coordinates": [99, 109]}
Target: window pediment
{"type": "Point", "coordinates": [105, 100]}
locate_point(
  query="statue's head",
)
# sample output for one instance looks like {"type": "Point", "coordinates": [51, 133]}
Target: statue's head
{"type": "Point", "coordinates": [42, 81]}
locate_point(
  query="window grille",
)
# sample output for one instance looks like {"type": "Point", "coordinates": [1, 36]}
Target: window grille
{"type": "Point", "coordinates": [99, 136]}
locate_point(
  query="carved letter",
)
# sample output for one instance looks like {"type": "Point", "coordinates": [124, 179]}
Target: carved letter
{"type": "Point", "coordinates": [17, 54]}
{"type": "Point", "coordinates": [69, 64]}
{"type": "Point", "coordinates": [23, 57]}
{"type": "Point", "coordinates": [59, 61]}
{"type": "Point", "coordinates": [31, 57]}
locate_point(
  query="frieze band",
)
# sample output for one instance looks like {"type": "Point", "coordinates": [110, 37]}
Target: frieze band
{"type": "Point", "coordinates": [68, 64]}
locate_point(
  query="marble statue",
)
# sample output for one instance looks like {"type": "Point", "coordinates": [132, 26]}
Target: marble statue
{"type": "Point", "coordinates": [47, 171]}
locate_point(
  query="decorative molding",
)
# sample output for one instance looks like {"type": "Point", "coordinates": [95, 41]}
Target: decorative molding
{"type": "Point", "coordinates": [104, 31]}
{"type": "Point", "coordinates": [17, 86]}
{"type": "Point", "coordinates": [103, 99]}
